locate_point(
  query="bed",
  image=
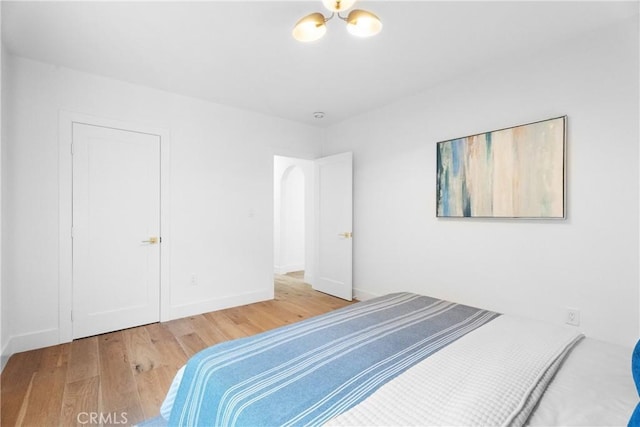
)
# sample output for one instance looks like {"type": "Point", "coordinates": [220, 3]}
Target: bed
{"type": "Point", "coordinates": [406, 359]}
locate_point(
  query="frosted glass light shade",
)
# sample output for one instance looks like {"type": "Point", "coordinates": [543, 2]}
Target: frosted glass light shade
{"type": "Point", "coordinates": [363, 24]}
{"type": "Point", "coordinates": [309, 28]}
{"type": "Point", "coordinates": [338, 5]}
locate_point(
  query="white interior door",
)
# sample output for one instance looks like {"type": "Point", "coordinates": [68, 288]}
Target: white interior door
{"type": "Point", "coordinates": [334, 216]}
{"type": "Point", "coordinates": [116, 229]}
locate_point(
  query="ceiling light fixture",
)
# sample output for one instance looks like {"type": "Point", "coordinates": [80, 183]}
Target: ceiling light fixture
{"type": "Point", "coordinates": [359, 22]}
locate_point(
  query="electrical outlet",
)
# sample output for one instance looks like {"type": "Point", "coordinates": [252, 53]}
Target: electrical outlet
{"type": "Point", "coordinates": [193, 281]}
{"type": "Point", "coordinates": [572, 317]}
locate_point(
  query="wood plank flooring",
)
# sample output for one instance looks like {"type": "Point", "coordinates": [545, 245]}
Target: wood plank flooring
{"type": "Point", "coordinates": [120, 378]}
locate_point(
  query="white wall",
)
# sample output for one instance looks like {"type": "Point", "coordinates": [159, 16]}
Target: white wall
{"type": "Point", "coordinates": [533, 268]}
{"type": "Point", "coordinates": [3, 324]}
{"type": "Point", "coordinates": [221, 178]}
{"type": "Point", "coordinates": [293, 216]}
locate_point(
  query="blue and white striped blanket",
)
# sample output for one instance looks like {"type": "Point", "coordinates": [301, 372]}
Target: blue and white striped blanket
{"type": "Point", "coordinates": [308, 372]}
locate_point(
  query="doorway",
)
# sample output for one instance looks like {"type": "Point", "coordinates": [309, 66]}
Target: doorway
{"type": "Point", "coordinates": [293, 224]}
{"type": "Point", "coordinates": [313, 221]}
{"type": "Point", "coordinates": [68, 123]}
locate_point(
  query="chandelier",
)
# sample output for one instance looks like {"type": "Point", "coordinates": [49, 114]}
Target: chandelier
{"type": "Point", "coordinates": [359, 22]}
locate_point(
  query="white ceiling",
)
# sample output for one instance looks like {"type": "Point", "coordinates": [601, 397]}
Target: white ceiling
{"type": "Point", "coordinates": [241, 53]}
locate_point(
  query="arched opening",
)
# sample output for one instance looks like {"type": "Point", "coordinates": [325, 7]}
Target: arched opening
{"type": "Point", "coordinates": [292, 217]}
{"type": "Point", "coordinates": [292, 220]}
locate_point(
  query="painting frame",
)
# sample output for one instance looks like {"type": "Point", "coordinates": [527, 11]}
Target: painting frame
{"type": "Point", "coordinates": [517, 172]}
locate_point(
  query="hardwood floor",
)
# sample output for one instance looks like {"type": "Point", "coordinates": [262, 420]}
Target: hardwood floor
{"type": "Point", "coordinates": [121, 378]}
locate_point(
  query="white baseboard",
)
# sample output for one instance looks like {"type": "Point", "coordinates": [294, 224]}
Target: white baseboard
{"type": "Point", "coordinates": [30, 341]}
{"type": "Point", "coordinates": [5, 354]}
{"type": "Point", "coordinates": [284, 269]}
{"type": "Point", "coordinates": [185, 310]}
{"type": "Point", "coordinates": [361, 295]}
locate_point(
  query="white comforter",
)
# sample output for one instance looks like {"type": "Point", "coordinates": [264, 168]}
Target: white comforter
{"type": "Point", "coordinates": [594, 388]}
{"type": "Point", "coordinates": [493, 376]}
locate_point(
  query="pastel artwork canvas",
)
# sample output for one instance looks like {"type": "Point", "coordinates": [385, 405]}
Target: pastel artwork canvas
{"type": "Point", "coordinates": [516, 172]}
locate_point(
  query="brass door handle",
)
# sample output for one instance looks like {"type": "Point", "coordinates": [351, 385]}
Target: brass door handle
{"type": "Point", "coordinates": [151, 241]}
{"type": "Point", "coordinates": [346, 235]}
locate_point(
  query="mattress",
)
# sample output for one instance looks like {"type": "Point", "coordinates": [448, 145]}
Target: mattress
{"type": "Point", "coordinates": [509, 371]}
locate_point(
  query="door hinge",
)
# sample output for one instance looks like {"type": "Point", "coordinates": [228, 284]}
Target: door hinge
{"type": "Point", "coordinates": [72, 315]}
{"type": "Point", "coordinates": [72, 148]}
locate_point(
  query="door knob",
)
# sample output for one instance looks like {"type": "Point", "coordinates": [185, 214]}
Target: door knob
{"type": "Point", "coordinates": [346, 235]}
{"type": "Point", "coordinates": [151, 241]}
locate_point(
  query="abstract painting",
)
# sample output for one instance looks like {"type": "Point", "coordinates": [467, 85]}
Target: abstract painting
{"type": "Point", "coordinates": [516, 172]}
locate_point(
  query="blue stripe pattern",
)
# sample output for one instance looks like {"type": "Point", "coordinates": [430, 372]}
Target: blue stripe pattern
{"type": "Point", "coordinates": [309, 372]}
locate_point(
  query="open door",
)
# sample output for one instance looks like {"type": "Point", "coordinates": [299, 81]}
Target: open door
{"type": "Point", "coordinates": [334, 216]}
